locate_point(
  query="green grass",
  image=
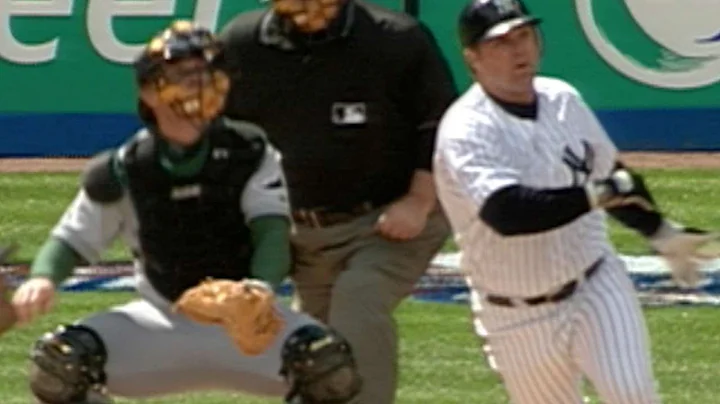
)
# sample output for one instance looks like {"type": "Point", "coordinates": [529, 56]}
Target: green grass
{"type": "Point", "coordinates": [32, 203]}
{"type": "Point", "coordinates": [440, 357]}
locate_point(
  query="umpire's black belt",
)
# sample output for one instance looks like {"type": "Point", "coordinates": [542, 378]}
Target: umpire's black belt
{"type": "Point", "coordinates": [565, 291]}
{"type": "Point", "coordinates": [325, 217]}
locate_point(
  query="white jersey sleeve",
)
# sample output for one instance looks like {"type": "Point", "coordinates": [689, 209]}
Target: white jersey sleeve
{"type": "Point", "coordinates": [605, 149]}
{"type": "Point", "coordinates": [90, 227]}
{"type": "Point", "coordinates": [474, 155]}
{"type": "Point", "coordinates": [266, 192]}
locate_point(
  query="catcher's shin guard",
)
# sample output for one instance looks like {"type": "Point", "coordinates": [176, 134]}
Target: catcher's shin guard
{"type": "Point", "coordinates": [320, 367]}
{"type": "Point", "coordinates": [67, 367]}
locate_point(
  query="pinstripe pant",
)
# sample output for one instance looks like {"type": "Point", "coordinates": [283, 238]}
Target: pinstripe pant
{"type": "Point", "coordinates": [543, 352]}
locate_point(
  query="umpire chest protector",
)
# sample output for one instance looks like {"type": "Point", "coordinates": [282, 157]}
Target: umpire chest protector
{"type": "Point", "coordinates": [192, 227]}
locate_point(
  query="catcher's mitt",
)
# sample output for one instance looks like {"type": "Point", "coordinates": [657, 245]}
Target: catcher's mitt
{"type": "Point", "coordinates": [245, 308]}
{"type": "Point", "coordinates": [8, 317]}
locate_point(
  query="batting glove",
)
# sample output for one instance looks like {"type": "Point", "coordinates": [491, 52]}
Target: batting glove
{"type": "Point", "coordinates": [685, 250]}
{"type": "Point", "coordinates": [622, 188]}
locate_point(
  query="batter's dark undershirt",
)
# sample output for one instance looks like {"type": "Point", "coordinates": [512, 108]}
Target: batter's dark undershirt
{"type": "Point", "coordinates": [522, 210]}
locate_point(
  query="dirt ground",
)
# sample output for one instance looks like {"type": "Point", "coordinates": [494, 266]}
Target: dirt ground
{"type": "Point", "coordinates": [671, 160]}
{"type": "Point", "coordinates": [635, 160]}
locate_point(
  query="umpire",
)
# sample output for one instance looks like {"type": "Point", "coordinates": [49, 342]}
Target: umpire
{"type": "Point", "coordinates": [351, 94]}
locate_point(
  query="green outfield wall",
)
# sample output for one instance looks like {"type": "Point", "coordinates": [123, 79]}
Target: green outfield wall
{"type": "Point", "coordinates": [649, 69]}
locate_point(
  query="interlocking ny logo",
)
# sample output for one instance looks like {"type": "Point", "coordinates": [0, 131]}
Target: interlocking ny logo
{"type": "Point", "coordinates": [506, 6]}
{"type": "Point", "coordinates": [580, 166]}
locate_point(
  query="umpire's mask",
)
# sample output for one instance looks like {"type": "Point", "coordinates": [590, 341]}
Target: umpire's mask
{"type": "Point", "coordinates": [308, 16]}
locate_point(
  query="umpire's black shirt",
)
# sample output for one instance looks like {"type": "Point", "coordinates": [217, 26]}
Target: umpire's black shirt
{"type": "Point", "coordinates": [353, 110]}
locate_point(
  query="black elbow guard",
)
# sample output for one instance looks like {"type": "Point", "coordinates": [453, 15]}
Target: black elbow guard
{"type": "Point", "coordinates": [99, 181]}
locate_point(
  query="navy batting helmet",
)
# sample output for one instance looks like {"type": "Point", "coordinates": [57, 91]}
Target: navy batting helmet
{"type": "Point", "coordinates": [481, 20]}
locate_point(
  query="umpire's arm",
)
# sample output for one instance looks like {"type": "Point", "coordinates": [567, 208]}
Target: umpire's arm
{"type": "Point", "coordinates": [429, 91]}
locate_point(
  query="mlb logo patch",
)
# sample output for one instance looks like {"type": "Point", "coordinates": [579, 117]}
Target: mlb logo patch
{"type": "Point", "coordinates": [349, 113]}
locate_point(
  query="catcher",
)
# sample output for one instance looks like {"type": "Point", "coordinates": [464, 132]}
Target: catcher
{"type": "Point", "coordinates": [195, 196]}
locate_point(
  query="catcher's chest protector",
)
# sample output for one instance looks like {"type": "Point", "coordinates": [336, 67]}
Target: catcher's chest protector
{"type": "Point", "coordinates": [193, 227]}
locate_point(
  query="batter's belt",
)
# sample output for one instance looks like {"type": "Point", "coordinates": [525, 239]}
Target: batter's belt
{"type": "Point", "coordinates": [565, 291]}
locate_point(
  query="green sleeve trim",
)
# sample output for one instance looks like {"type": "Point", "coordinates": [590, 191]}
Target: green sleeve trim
{"type": "Point", "coordinates": [56, 260]}
{"type": "Point", "coordinates": [271, 241]}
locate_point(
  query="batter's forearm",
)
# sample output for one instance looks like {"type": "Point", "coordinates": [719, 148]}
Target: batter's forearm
{"type": "Point", "coordinates": [641, 220]}
{"type": "Point", "coordinates": [521, 210]}
{"type": "Point", "coordinates": [638, 219]}
{"type": "Point", "coordinates": [271, 256]}
{"type": "Point", "coordinates": [56, 260]}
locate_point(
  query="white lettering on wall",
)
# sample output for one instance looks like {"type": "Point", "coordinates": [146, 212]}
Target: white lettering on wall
{"type": "Point", "coordinates": [21, 53]}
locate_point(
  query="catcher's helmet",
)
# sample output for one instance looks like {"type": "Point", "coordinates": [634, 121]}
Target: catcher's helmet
{"type": "Point", "coordinates": [184, 40]}
{"type": "Point", "coordinates": [481, 20]}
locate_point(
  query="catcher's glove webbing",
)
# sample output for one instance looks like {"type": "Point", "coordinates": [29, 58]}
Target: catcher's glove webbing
{"type": "Point", "coordinates": [245, 308]}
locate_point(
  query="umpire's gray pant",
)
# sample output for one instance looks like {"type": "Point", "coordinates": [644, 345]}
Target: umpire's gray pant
{"type": "Point", "coordinates": [354, 279]}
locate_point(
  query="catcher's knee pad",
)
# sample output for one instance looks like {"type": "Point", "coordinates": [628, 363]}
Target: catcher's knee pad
{"type": "Point", "coordinates": [67, 366]}
{"type": "Point", "coordinates": [319, 364]}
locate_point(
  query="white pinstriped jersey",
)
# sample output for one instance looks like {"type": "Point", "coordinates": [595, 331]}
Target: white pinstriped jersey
{"type": "Point", "coordinates": [481, 148]}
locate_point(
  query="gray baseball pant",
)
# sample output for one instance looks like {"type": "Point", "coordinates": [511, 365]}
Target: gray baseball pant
{"type": "Point", "coordinates": [153, 351]}
{"type": "Point", "coordinates": [354, 279]}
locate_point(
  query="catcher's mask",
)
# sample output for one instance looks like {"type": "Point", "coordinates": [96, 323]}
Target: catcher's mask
{"type": "Point", "coordinates": [308, 16]}
{"type": "Point", "coordinates": [179, 65]}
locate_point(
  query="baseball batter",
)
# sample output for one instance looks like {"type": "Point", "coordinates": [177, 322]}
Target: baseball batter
{"type": "Point", "coordinates": [194, 195]}
{"type": "Point", "coordinates": [525, 172]}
